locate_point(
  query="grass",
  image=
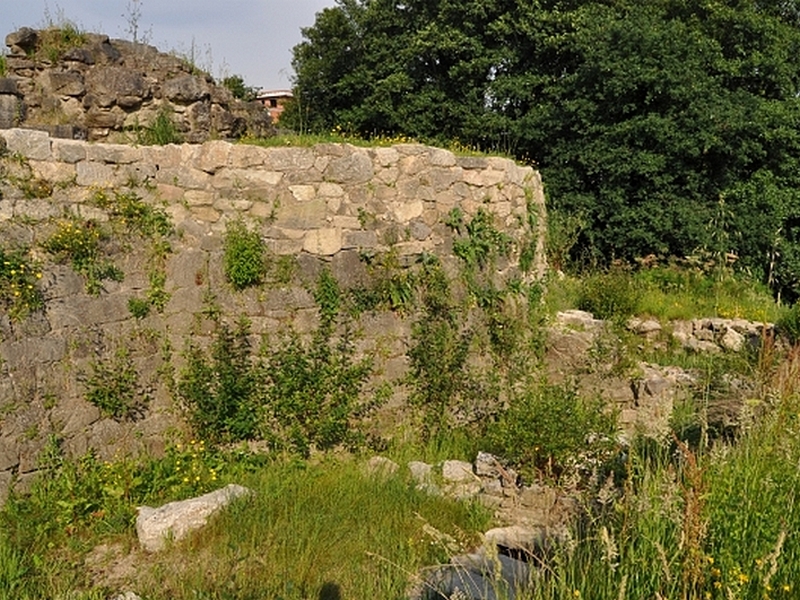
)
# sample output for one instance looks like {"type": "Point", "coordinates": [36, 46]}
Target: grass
{"type": "Point", "coordinates": [339, 136]}
{"type": "Point", "coordinates": [310, 526]}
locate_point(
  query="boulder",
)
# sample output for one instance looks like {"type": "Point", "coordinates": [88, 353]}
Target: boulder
{"type": "Point", "coordinates": [154, 526]}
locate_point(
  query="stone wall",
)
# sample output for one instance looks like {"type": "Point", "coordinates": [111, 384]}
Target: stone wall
{"type": "Point", "coordinates": [98, 88]}
{"type": "Point", "coordinates": [325, 206]}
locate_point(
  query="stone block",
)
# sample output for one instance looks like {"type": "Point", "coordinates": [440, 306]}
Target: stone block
{"type": "Point", "coordinates": [175, 520]}
{"type": "Point", "coordinates": [68, 151]}
{"type": "Point", "coordinates": [351, 169]}
{"type": "Point", "coordinates": [95, 174]}
{"type": "Point", "coordinates": [289, 159]}
{"type": "Point", "coordinates": [30, 143]}
{"type": "Point", "coordinates": [323, 242]}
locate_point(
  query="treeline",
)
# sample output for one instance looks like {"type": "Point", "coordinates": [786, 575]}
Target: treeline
{"type": "Point", "coordinates": [661, 127]}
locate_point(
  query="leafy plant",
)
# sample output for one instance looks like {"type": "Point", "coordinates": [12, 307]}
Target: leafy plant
{"type": "Point", "coordinates": [546, 427]}
{"type": "Point", "coordinates": [480, 241]}
{"type": "Point", "coordinates": [161, 131]}
{"type": "Point", "coordinates": [129, 210]}
{"type": "Point", "coordinates": [609, 295]}
{"type": "Point", "coordinates": [245, 258]}
{"type": "Point", "coordinates": [223, 390]}
{"type": "Point", "coordinates": [19, 284]}
{"type": "Point", "coordinates": [113, 387]}
{"type": "Point", "coordinates": [79, 243]}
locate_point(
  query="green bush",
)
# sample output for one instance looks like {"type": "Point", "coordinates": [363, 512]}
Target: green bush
{"type": "Point", "coordinates": [789, 324]}
{"type": "Point", "coordinates": [245, 260]}
{"type": "Point", "coordinates": [161, 131]}
{"type": "Point", "coordinates": [223, 389]}
{"type": "Point", "coordinates": [114, 388]}
{"type": "Point", "coordinates": [610, 295]}
{"type": "Point", "coordinates": [547, 426]}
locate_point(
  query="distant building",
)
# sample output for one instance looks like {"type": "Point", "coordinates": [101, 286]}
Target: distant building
{"type": "Point", "coordinates": [274, 101]}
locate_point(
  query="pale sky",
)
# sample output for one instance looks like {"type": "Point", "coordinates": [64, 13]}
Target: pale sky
{"type": "Point", "coordinates": [251, 38]}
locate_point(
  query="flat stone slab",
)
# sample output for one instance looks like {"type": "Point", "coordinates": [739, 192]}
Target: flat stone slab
{"type": "Point", "coordinates": [175, 520]}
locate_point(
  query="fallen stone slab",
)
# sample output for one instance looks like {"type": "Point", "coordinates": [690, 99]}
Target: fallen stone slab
{"type": "Point", "coordinates": [175, 520]}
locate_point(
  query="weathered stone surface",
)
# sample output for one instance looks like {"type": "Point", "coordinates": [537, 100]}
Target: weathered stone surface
{"type": "Point", "coordinates": [355, 167]}
{"type": "Point", "coordinates": [457, 471]}
{"type": "Point", "coordinates": [34, 145]}
{"type": "Point", "coordinates": [185, 89]}
{"type": "Point", "coordinates": [176, 520]}
{"type": "Point", "coordinates": [22, 41]}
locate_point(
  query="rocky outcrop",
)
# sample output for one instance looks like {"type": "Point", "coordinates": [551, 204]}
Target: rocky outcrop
{"type": "Point", "coordinates": [102, 89]}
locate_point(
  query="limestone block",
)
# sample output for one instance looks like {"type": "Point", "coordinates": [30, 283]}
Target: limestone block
{"type": "Point", "coordinates": [11, 111]}
{"type": "Point", "coordinates": [206, 214]}
{"type": "Point", "coordinates": [381, 466]}
{"type": "Point", "coordinates": [244, 156]}
{"type": "Point", "coordinates": [120, 154]}
{"type": "Point", "coordinates": [241, 178]}
{"type": "Point", "coordinates": [68, 151]}
{"type": "Point", "coordinates": [95, 174]}
{"type": "Point", "coordinates": [732, 340]}
{"type": "Point", "coordinates": [213, 156]}
{"type": "Point", "coordinates": [456, 471]}
{"type": "Point", "coordinates": [53, 172]}
{"type": "Point", "coordinates": [330, 190]}
{"type": "Point", "coordinates": [185, 177]}
{"type": "Point", "coordinates": [6, 210]}
{"type": "Point", "coordinates": [303, 193]}
{"type": "Point", "coordinates": [199, 198]}
{"type": "Point", "coordinates": [420, 472]}
{"type": "Point", "coordinates": [30, 143]}
{"type": "Point", "coordinates": [386, 157]}
{"type": "Point", "coordinates": [359, 239]}
{"type": "Point", "coordinates": [176, 520]}
{"type": "Point", "coordinates": [405, 211]}
{"type": "Point", "coordinates": [301, 215]}
{"type": "Point", "coordinates": [289, 159]}
{"type": "Point", "coordinates": [442, 158]}
{"type": "Point", "coordinates": [485, 178]}
{"type": "Point", "coordinates": [352, 168]}
{"type": "Point", "coordinates": [323, 242]}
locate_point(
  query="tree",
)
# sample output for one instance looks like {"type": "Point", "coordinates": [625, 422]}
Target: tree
{"type": "Point", "coordinates": [235, 83]}
{"type": "Point", "coordinates": [644, 116]}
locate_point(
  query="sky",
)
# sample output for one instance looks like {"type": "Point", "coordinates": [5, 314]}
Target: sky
{"type": "Point", "coordinates": [251, 38]}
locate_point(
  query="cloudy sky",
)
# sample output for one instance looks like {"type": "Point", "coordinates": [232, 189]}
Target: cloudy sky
{"type": "Point", "coordinates": [251, 38]}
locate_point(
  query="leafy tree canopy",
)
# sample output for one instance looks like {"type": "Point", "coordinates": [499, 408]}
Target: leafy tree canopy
{"type": "Point", "coordinates": [669, 126]}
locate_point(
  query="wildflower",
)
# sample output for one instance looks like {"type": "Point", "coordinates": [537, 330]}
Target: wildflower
{"type": "Point", "coordinates": [786, 587]}
{"type": "Point", "coordinates": [743, 578]}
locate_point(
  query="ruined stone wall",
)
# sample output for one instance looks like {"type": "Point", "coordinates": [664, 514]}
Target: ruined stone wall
{"type": "Point", "coordinates": [110, 90]}
{"type": "Point", "coordinates": [325, 206]}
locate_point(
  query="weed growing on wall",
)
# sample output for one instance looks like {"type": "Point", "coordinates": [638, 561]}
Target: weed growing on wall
{"type": "Point", "coordinates": [113, 387]}
{"type": "Point", "coordinates": [222, 389]}
{"type": "Point", "coordinates": [161, 131]}
{"type": "Point", "coordinates": [245, 258]}
{"type": "Point", "coordinates": [19, 284]}
{"type": "Point", "coordinates": [295, 393]}
{"type": "Point", "coordinates": [57, 39]}
{"type": "Point", "coordinates": [78, 242]}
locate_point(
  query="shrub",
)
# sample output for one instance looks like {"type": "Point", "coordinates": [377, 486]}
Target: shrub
{"type": "Point", "coordinates": [114, 387]}
{"type": "Point", "coordinates": [609, 295]}
{"type": "Point", "coordinates": [546, 426]}
{"type": "Point", "coordinates": [789, 324]}
{"type": "Point", "coordinates": [245, 260]}
{"type": "Point", "coordinates": [162, 130]}
{"type": "Point", "coordinates": [222, 389]}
